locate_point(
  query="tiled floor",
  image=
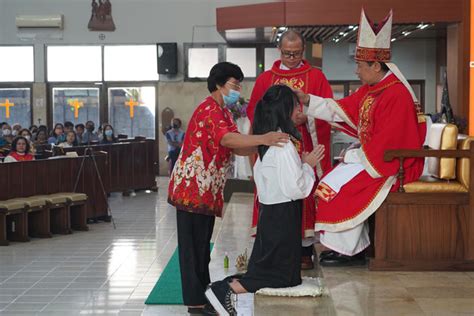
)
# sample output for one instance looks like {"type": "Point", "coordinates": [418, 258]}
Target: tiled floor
{"type": "Point", "coordinates": [107, 271]}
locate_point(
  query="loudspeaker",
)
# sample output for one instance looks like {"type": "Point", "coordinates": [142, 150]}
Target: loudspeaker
{"type": "Point", "coordinates": [167, 58]}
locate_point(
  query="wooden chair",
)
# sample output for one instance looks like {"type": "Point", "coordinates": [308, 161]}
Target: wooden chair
{"type": "Point", "coordinates": [428, 224]}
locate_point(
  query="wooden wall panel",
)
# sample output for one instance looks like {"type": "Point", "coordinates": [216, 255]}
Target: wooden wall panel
{"type": "Point", "coordinates": [250, 16]}
{"type": "Point", "coordinates": [337, 12]}
{"type": "Point", "coordinates": [334, 12]}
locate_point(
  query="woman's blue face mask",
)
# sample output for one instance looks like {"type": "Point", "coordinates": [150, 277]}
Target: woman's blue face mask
{"type": "Point", "coordinates": [232, 98]}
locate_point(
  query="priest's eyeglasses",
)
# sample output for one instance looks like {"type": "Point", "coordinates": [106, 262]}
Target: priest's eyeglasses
{"type": "Point", "coordinates": [295, 54]}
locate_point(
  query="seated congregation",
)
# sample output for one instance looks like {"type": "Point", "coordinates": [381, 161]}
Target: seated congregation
{"type": "Point", "coordinates": [57, 185]}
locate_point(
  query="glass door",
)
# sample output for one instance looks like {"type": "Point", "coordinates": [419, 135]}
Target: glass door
{"type": "Point", "coordinates": [132, 110]}
{"type": "Point", "coordinates": [76, 104]}
{"type": "Point", "coordinates": [15, 106]}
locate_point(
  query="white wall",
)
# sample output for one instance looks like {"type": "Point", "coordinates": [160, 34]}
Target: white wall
{"type": "Point", "coordinates": [136, 21]}
{"type": "Point", "coordinates": [416, 59]}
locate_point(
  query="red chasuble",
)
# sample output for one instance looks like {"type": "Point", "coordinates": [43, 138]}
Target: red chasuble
{"type": "Point", "coordinates": [312, 81]}
{"type": "Point", "coordinates": [383, 117]}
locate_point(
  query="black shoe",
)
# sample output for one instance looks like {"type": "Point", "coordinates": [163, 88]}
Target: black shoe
{"type": "Point", "coordinates": [206, 310]}
{"type": "Point", "coordinates": [219, 295]}
{"type": "Point", "coordinates": [326, 253]}
{"type": "Point", "coordinates": [307, 251]}
{"type": "Point", "coordinates": [237, 276]}
{"type": "Point", "coordinates": [339, 260]}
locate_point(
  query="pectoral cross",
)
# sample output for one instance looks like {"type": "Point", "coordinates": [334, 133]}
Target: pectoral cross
{"type": "Point", "coordinates": [131, 104]}
{"type": "Point", "coordinates": [7, 106]}
{"type": "Point", "coordinates": [76, 105]}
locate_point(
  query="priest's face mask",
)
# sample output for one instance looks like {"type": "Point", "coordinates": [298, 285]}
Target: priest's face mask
{"type": "Point", "coordinates": [291, 53]}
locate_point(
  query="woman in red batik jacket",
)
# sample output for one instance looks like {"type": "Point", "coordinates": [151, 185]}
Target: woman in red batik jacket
{"type": "Point", "coordinates": [198, 179]}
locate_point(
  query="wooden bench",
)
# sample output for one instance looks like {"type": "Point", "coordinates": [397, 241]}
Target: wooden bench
{"type": "Point", "coordinates": [40, 201]}
{"type": "Point", "coordinates": [76, 204]}
{"type": "Point", "coordinates": [13, 222]}
{"type": "Point", "coordinates": [131, 164]}
{"type": "Point", "coordinates": [38, 220]}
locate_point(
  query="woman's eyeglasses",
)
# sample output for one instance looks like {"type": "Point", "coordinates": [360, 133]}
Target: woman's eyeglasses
{"type": "Point", "coordinates": [237, 86]}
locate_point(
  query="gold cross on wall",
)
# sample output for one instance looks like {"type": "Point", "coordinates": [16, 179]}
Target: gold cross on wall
{"type": "Point", "coordinates": [131, 104]}
{"type": "Point", "coordinates": [7, 106]}
{"type": "Point", "coordinates": [76, 105]}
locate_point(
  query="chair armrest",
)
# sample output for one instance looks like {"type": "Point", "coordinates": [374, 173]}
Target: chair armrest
{"type": "Point", "coordinates": [418, 153]}
{"type": "Point", "coordinates": [401, 154]}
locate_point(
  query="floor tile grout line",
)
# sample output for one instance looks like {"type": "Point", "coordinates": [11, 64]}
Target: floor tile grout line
{"type": "Point", "coordinates": [14, 300]}
{"type": "Point", "coordinates": [62, 291]}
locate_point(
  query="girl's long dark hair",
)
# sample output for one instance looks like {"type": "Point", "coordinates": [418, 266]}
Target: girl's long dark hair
{"type": "Point", "coordinates": [274, 112]}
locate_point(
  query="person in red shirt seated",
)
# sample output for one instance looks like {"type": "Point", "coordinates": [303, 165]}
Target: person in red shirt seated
{"type": "Point", "coordinates": [20, 151]}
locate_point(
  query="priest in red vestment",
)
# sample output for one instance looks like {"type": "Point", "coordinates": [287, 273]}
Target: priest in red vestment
{"type": "Point", "coordinates": [297, 73]}
{"type": "Point", "coordinates": [382, 114]}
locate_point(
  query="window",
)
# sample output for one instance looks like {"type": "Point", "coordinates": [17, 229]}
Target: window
{"type": "Point", "coordinates": [201, 60]}
{"type": "Point", "coordinates": [272, 54]}
{"type": "Point", "coordinates": [74, 63]}
{"type": "Point", "coordinates": [354, 86]}
{"type": "Point", "coordinates": [77, 105]}
{"type": "Point", "coordinates": [245, 58]}
{"type": "Point", "coordinates": [130, 63]}
{"type": "Point", "coordinates": [338, 91]}
{"type": "Point", "coordinates": [252, 58]}
{"type": "Point", "coordinates": [15, 106]}
{"type": "Point", "coordinates": [16, 64]}
{"type": "Point", "coordinates": [132, 110]}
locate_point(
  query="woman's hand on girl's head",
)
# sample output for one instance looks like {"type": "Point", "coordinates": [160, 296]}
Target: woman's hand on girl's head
{"type": "Point", "coordinates": [275, 139]}
{"type": "Point", "coordinates": [313, 157]}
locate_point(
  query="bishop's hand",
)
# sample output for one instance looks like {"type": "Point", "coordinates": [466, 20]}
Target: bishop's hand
{"type": "Point", "coordinates": [302, 97]}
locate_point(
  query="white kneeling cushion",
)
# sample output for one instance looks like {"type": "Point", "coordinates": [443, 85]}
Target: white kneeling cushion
{"type": "Point", "coordinates": [309, 287]}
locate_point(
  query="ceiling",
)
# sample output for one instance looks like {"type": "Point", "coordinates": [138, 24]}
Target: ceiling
{"type": "Point", "coordinates": [332, 33]}
{"type": "Point", "coordinates": [348, 33]}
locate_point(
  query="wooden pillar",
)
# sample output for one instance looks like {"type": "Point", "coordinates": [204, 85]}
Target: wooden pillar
{"type": "Point", "coordinates": [471, 71]}
{"type": "Point", "coordinates": [452, 42]}
{"type": "Point", "coordinates": [458, 56]}
{"type": "Point", "coordinates": [463, 67]}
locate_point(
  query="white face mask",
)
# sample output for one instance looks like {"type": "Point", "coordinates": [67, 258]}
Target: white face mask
{"type": "Point", "coordinates": [14, 132]}
{"type": "Point", "coordinates": [28, 137]}
{"type": "Point", "coordinates": [6, 132]}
